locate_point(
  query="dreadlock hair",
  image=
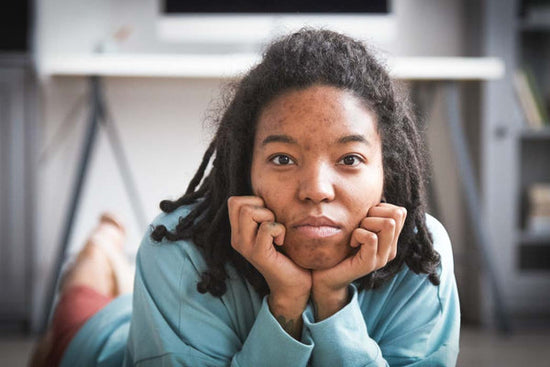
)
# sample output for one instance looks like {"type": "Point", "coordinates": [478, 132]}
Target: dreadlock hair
{"type": "Point", "coordinates": [293, 62]}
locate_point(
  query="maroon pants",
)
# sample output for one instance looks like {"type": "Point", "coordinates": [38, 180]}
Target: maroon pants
{"type": "Point", "coordinates": [76, 305]}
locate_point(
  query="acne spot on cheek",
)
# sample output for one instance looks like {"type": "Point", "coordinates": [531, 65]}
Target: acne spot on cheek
{"type": "Point", "coordinates": [278, 123]}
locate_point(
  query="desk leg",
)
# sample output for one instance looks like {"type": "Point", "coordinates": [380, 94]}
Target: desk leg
{"type": "Point", "coordinates": [473, 201]}
{"type": "Point", "coordinates": [91, 135]}
{"type": "Point", "coordinates": [122, 161]}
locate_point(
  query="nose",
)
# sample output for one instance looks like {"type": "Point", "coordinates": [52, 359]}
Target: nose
{"type": "Point", "coordinates": [316, 184]}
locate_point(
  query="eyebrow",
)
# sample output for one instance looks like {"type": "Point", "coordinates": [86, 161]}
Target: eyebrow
{"type": "Point", "coordinates": [353, 138]}
{"type": "Point", "coordinates": [279, 139]}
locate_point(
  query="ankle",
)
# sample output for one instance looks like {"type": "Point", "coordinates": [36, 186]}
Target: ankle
{"type": "Point", "coordinates": [91, 269]}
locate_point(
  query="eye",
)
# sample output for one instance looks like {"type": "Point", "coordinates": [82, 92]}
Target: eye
{"type": "Point", "coordinates": [351, 160]}
{"type": "Point", "coordinates": [281, 160]}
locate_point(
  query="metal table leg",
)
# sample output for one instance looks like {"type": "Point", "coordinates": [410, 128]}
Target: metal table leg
{"type": "Point", "coordinates": [91, 136]}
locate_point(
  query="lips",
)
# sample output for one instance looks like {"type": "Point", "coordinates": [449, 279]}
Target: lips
{"type": "Point", "coordinates": [317, 227]}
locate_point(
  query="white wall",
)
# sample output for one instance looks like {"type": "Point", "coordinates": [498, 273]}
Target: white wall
{"type": "Point", "coordinates": [161, 119]}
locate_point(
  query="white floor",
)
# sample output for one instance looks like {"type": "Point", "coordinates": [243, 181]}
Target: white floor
{"type": "Point", "coordinates": [478, 348]}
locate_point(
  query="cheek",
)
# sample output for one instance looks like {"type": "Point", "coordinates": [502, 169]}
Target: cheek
{"type": "Point", "coordinates": [272, 188]}
{"type": "Point", "coordinates": [272, 196]}
{"type": "Point", "coordinates": [277, 195]}
{"type": "Point", "coordinates": [362, 196]}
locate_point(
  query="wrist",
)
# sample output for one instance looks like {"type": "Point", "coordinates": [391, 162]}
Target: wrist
{"type": "Point", "coordinates": [288, 313]}
{"type": "Point", "coordinates": [327, 302]}
{"type": "Point", "coordinates": [291, 305]}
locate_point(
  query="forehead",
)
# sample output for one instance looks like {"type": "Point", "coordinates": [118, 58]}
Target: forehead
{"type": "Point", "coordinates": [321, 111]}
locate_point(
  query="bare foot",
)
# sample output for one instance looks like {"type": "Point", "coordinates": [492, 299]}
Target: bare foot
{"type": "Point", "coordinates": [94, 265]}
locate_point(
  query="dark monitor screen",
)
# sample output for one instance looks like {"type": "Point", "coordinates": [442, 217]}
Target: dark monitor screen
{"type": "Point", "coordinates": [175, 7]}
{"type": "Point", "coordinates": [14, 26]}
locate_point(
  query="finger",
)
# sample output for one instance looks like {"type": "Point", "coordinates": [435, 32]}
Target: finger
{"type": "Point", "coordinates": [386, 210]}
{"type": "Point", "coordinates": [234, 204]}
{"type": "Point", "coordinates": [269, 233]}
{"type": "Point", "coordinates": [250, 217]}
{"type": "Point", "coordinates": [364, 261]}
{"type": "Point", "coordinates": [245, 236]}
{"type": "Point", "coordinates": [398, 213]}
{"type": "Point", "coordinates": [260, 255]}
{"type": "Point", "coordinates": [385, 231]}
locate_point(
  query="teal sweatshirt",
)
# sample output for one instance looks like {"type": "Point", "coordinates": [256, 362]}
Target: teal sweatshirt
{"type": "Point", "coordinates": [406, 322]}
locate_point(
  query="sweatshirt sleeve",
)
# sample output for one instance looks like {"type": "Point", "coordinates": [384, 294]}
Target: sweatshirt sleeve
{"type": "Point", "coordinates": [269, 345]}
{"type": "Point", "coordinates": [175, 325]}
{"type": "Point", "coordinates": [407, 322]}
{"type": "Point", "coordinates": [342, 339]}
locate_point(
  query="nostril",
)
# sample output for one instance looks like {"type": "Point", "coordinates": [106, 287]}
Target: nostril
{"type": "Point", "coordinates": [318, 194]}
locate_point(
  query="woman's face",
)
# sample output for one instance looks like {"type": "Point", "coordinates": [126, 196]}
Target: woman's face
{"type": "Point", "coordinates": [317, 164]}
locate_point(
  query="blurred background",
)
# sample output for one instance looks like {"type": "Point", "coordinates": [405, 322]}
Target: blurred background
{"type": "Point", "coordinates": [149, 76]}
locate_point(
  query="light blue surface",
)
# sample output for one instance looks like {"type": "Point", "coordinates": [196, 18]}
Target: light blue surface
{"type": "Point", "coordinates": [406, 322]}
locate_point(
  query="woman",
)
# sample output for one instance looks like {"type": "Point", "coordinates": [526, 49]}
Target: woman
{"type": "Point", "coordinates": [307, 243]}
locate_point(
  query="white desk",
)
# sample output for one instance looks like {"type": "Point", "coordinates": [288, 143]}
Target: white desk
{"type": "Point", "coordinates": [448, 71]}
{"type": "Point", "coordinates": [231, 65]}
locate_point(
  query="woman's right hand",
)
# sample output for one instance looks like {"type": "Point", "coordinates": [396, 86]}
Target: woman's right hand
{"type": "Point", "coordinates": [254, 233]}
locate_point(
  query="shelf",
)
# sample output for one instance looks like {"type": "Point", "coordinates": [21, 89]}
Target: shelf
{"type": "Point", "coordinates": [535, 133]}
{"type": "Point", "coordinates": [536, 17]}
{"type": "Point", "coordinates": [533, 251]}
{"type": "Point", "coordinates": [534, 257]}
{"type": "Point", "coordinates": [534, 238]}
{"type": "Point", "coordinates": [541, 27]}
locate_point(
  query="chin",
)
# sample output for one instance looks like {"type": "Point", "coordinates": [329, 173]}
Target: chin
{"type": "Point", "coordinates": [317, 257]}
{"type": "Point", "coordinates": [316, 264]}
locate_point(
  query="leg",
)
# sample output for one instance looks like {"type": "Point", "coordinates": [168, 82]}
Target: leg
{"type": "Point", "coordinates": [90, 284]}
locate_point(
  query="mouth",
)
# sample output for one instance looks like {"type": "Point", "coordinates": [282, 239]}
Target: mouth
{"type": "Point", "coordinates": [317, 227]}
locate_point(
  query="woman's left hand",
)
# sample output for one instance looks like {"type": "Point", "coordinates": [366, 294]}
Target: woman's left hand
{"type": "Point", "coordinates": [376, 243]}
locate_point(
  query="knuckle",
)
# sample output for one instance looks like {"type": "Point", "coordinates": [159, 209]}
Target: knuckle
{"type": "Point", "coordinates": [247, 210]}
{"type": "Point", "coordinates": [233, 202]}
{"type": "Point", "coordinates": [259, 201]}
{"type": "Point", "coordinates": [264, 226]}
{"type": "Point", "coordinates": [389, 224]}
{"type": "Point", "coordinates": [270, 215]}
{"type": "Point", "coordinates": [372, 238]}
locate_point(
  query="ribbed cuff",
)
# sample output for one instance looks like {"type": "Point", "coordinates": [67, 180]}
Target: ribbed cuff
{"type": "Point", "coordinates": [342, 339]}
{"type": "Point", "coordinates": [268, 344]}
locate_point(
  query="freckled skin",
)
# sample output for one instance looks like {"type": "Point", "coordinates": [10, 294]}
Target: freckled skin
{"type": "Point", "coordinates": [317, 182]}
